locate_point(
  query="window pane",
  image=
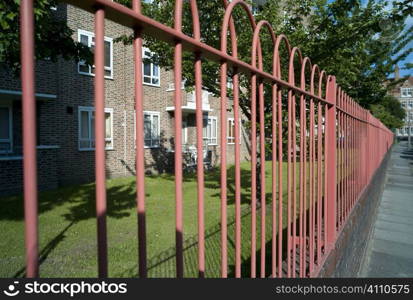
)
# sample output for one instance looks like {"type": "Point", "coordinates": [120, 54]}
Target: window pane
{"type": "Point", "coordinates": [84, 40]}
{"type": "Point", "coordinates": [214, 128]}
{"type": "Point", "coordinates": [146, 79]}
{"type": "Point", "coordinates": [92, 124]}
{"type": "Point", "coordinates": [155, 127]}
{"type": "Point", "coordinates": [147, 69]}
{"type": "Point", "coordinates": [147, 126]}
{"type": "Point", "coordinates": [155, 80]}
{"type": "Point", "coordinates": [84, 144]}
{"type": "Point", "coordinates": [155, 70]}
{"type": "Point", "coordinates": [4, 123]}
{"type": "Point", "coordinates": [83, 68]}
{"type": "Point", "coordinates": [107, 54]}
{"type": "Point", "coordinates": [108, 73]}
{"type": "Point", "coordinates": [108, 125]}
{"type": "Point", "coordinates": [84, 124]}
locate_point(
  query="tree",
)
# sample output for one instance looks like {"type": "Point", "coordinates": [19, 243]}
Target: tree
{"type": "Point", "coordinates": [359, 44]}
{"type": "Point", "coordinates": [53, 38]}
{"type": "Point", "coordinates": [389, 112]}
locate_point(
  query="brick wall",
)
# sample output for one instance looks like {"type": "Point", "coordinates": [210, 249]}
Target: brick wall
{"type": "Point", "coordinates": [345, 260]}
{"type": "Point", "coordinates": [11, 172]}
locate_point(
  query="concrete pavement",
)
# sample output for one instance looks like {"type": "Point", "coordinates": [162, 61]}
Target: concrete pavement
{"type": "Point", "coordinates": [390, 251]}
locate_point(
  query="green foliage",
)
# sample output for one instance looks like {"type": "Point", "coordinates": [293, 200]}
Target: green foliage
{"type": "Point", "coordinates": [53, 38]}
{"type": "Point", "coordinates": [359, 44]}
{"type": "Point", "coordinates": [389, 112]}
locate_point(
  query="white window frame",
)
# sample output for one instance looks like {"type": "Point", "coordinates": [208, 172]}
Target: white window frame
{"type": "Point", "coordinates": [213, 139]}
{"type": "Point", "coordinates": [10, 139]}
{"type": "Point", "coordinates": [406, 92]}
{"type": "Point", "coordinates": [144, 49]}
{"type": "Point", "coordinates": [151, 114]}
{"type": "Point", "coordinates": [91, 35]}
{"type": "Point", "coordinates": [90, 110]}
{"type": "Point", "coordinates": [229, 142]}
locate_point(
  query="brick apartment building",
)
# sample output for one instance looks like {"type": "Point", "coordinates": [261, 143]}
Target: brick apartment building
{"type": "Point", "coordinates": [404, 92]}
{"type": "Point", "coordinates": [65, 116]}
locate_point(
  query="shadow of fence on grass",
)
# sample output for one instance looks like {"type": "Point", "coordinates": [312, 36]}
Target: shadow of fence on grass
{"type": "Point", "coordinates": [163, 265]}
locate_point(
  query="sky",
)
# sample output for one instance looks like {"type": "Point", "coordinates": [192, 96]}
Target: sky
{"type": "Point", "coordinates": [408, 59]}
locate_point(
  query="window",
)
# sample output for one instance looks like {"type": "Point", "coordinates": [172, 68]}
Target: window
{"type": "Point", "coordinates": [231, 131]}
{"type": "Point", "coordinates": [5, 129]}
{"type": "Point", "coordinates": [88, 38]}
{"type": "Point", "coordinates": [151, 126]}
{"type": "Point", "coordinates": [87, 128]}
{"type": "Point", "coordinates": [184, 132]}
{"type": "Point", "coordinates": [406, 92]}
{"type": "Point", "coordinates": [151, 75]}
{"type": "Point", "coordinates": [410, 104]}
{"type": "Point", "coordinates": [210, 131]}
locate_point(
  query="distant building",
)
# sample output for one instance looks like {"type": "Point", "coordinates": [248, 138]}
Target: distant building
{"type": "Point", "coordinates": [65, 115]}
{"type": "Point", "coordinates": [404, 93]}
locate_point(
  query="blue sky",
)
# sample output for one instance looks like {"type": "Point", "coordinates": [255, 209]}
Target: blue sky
{"type": "Point", "coordinates": [408, 59]}
{"type": "Point", "coordinates": [408, 24]}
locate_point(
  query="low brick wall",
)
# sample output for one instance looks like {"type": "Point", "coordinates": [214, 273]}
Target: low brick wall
{"type": "Point", "coordinates": [11, 173]}
{"type": "Point", "coordinates": [346, 258]}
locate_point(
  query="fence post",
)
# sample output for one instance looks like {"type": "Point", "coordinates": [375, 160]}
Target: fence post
{"type": "Point", "coordinates": [331, 162]}
{"type": "Point", "coordinates": [29, 137]}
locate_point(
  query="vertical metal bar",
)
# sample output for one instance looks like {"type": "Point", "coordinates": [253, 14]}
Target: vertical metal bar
{"type": "Point", "coordinates": [302, 184]}
{"type": "Point", "coordinates": [280, 182]}
{"type": "Point", "coordinates": [237, 176]}
{"type": "Point", "coordinates": [312, 184]}
{"type": "Point", "coordinates": [325, 177]}
{"type": "Point", "coordinates": [319, 145]}
{"type": "Point", "coordinates": [223, 107]}
{"type": "Point", "coordinates": [273, 179]}
{"type": "Point", "coordinates": [253, 172]}
{"type": "Point", "coordinates": [294, 192]}
{"type": "Point", "coordinates": [347, 166]}
{"type": "Point", "coordinates": [200, 165]}
{"type": "Point", "coordinates": [178, 144]}
{"type": "Point", "coordinates": [339, 166]}
{"type": "Point", "coordinates": [289, 180]}
{"type": "Point", "coordinates": [305, 187]}
{"type": "Point", "coordinates": [140, 158]}
{"type": "Point", "coordinates": [29, 137]}
{"type": "Point", "coordinates": [342, 157]}
{"type": "Point", "coordinates": [342, 164]}
{"type": "Point", "coordinates": [352, 186]}
{"type": "Point", "coordinates": [331, 163]}
{"type": "Point", "coordinates": [262, 181]}
{"type": "Point", "coordinates": [100, 141]}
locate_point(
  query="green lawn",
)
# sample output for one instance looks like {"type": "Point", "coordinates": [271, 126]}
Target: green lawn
{"type": "Point", "coordinates": [67, 227]}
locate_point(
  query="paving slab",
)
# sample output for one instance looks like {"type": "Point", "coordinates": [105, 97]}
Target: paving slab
{"type": "Point", "coordinates": [390, 251]}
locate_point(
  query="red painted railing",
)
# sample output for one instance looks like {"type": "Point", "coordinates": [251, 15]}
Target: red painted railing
{"type": "Point", "coordinates": [337, 145]}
